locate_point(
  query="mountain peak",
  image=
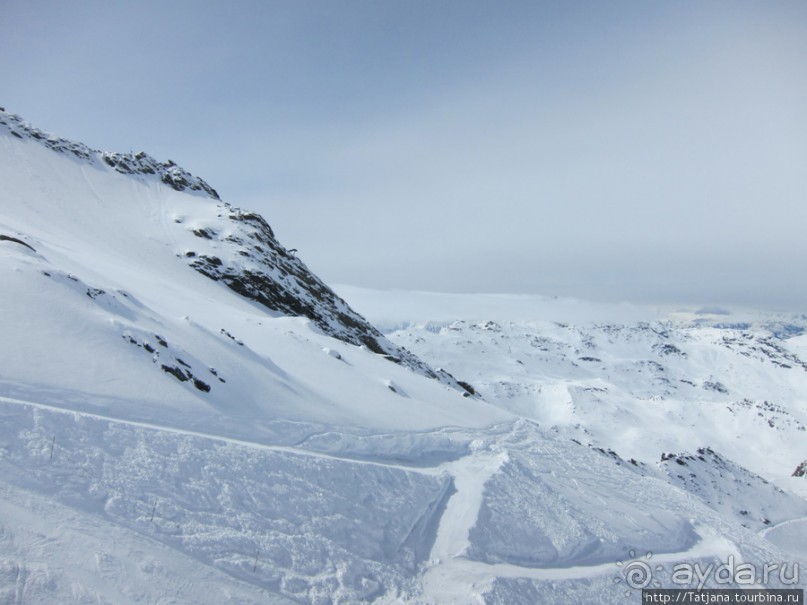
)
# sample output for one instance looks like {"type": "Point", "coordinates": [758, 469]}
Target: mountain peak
{"type": "Point", "coordinates": [234, 247]}
{"type": "Point", "coordinates": [139, 163]}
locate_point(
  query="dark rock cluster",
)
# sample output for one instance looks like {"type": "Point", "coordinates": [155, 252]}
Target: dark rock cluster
{"type": "Point", "coordinates": [126, 163]}
{"type": "Point", "coordinates": [259, 268]}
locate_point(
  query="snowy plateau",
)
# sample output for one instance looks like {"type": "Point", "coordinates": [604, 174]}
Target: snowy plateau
{"type": "Point", "coordinates": [188, 415]}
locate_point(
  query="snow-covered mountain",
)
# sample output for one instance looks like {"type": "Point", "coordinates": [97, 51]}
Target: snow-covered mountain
{"type": "Point", "coordinates": [189, 415]}
{"type": "Point", "coordinates": [235, 247]}
{"type": "Point", "coordinates": [641, 381]}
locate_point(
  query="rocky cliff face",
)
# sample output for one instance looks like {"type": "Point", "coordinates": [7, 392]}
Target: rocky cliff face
{"type": "Point", "coordinates": [240, 250]}
{"type": "Point", "coordinates": [126, 163]}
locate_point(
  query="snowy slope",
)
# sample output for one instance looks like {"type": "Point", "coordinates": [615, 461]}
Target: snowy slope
{"type": "Point", "coordinates": [230, 245]}
{"type": "Point", "coordinates": [730, 489]}
{"type": "Point", "coordinates": [114, 248]}
{"type": "Point", "coordinates": [189, 415]}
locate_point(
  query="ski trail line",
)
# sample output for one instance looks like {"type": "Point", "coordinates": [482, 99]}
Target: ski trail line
{"type": "Point", "coordinates": [436, 470]}
{"type": "Point", "coordinates": [460, 515]}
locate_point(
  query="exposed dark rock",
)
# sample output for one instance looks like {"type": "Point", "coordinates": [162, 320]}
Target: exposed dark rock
{"type": "Point", "coordinates": [202, 386]}
{"type": "Point", "coordinates": [207, 265]}
{"type": "Point", "coordinates": [278, 280]}
{"type": "Point", "coordinates": [126, 163]}
{"type": "Point", "coordinates": [468, 388]}
{"type": "Point", "coordinates": [231, 337]}
{"type": "Point", "coordinates": [669, 349]}
{"type": "Point", "coordinates": [205, 233]}
{"type": "Point", "coordinates": [176, 372]}
{"type": "Point", "coordinates": [186, 375]}
{"type": "Point", "coordinates": [8, 238]}
{"type": "Point", "coordinates": [714, 385]}
{"type": "Point", "coordinates": [766, 347]}
{"type": "Point", "coordinates": [801, 470]}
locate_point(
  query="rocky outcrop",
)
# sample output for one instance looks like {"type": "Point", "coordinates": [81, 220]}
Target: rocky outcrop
{"type": "Point", "coordinates": [126, 163]}
{"type": "Point", "coordinates": [241, 251]}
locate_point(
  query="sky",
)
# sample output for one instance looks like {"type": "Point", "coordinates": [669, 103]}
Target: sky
{"type": "Point", "coordinates": [645, 151]}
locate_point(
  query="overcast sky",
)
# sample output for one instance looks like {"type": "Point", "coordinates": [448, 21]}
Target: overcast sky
{"type": "Point", "coordinates": [649, 151]}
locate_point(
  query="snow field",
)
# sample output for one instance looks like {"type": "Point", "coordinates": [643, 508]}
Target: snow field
{"type": "Point", "coordinates": [525, 509]}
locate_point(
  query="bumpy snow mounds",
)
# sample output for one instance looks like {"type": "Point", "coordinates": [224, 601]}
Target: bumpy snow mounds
{"type": "Point", "coordinates": [287, 521]}
{"type": "Point", "coordinates": [667, 382]}
{"type": "Point", "coordinates": [522, 512]}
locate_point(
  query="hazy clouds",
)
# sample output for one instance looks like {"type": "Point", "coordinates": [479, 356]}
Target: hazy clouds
{"type": "Point", "coordinates": [621, 150]}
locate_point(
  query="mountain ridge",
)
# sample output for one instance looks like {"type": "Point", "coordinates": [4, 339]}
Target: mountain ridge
{"type": "Point", "coordinates": [239, 249]}
{"type": "Point", "coordinates": [139, 163]}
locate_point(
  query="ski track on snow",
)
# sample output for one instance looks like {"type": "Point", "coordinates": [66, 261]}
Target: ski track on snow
{"type": "Point", "coordinates": [452, 582]}
{"type": "Point", "coordinates": [223, 439]}
{"type": "Point", "coordinates": [452, 579]}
